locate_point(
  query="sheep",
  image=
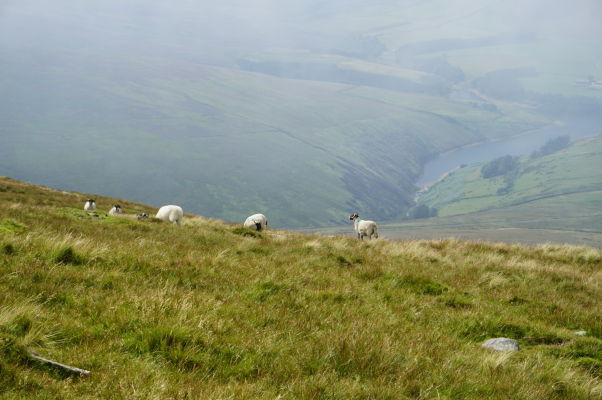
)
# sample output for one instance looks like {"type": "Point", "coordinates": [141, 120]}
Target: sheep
{"type": "Point", "coordinates": [256, 222]}
{"type": "Point", "coordinates": [173, 214]}
{"type": "Point", "coordinates": [142, 216]}
{"type": "Point", "coordinates": [90, 205]}
{"type": "Point", "coordinates": [363, 228]}
{"type": "Point", "coordinates": [115, 210]}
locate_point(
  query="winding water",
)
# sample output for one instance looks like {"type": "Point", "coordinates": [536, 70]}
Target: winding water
{"type": "Point", "coordinates": [517, 145]}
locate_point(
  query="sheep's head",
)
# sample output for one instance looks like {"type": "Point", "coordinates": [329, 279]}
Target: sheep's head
{"type": "Point", "coordinates": [352, 217]}
{"type": "Point", "coordinates": [91, 201]}
{"type": "Point", "coordinates": [142, 216]}
{"type": "Point", "coordinates": [117, 206]}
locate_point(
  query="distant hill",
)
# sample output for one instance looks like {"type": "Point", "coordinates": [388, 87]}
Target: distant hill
{"type": "Point", "coordinates": [571, 170]}
{"type": "Point", "coordinates": [211, 310]}
{"type": "Point", "coordinates": [305, 112]}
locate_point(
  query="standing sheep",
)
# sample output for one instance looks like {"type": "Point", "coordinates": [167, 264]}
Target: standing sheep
{"type": "Point", "coordinates": [256, 222]}
{"type": "Point", "coordinates": [90, 205]}
{"type": "Point", "coordinates": [115, 210]}
{"type": "Point", "coordinates": [173, 214]}
{"type": "Point", "coordinates": [363, 228]}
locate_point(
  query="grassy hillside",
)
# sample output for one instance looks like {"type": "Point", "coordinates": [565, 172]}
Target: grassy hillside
{"type": "Point", "coordinates": [305, 112]}
{"type": "Point", "coordinates": [574, 169]}
{"type": "Point", "coordinates": [209, 310]}
{"type": "Point", "coordinates": [227, 143]}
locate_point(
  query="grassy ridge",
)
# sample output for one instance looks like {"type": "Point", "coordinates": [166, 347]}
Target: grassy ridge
{"type": "Point", "coordinates": [207, 311]}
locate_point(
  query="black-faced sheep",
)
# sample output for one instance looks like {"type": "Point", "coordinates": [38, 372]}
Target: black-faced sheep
{"type": "Point", "coordinates": [115, 210]}
{"type": "Point", "coordinates": [256, 222]}
{"type": "Point", "coordinates": [90, 205]}
{"type": "Point", "coordinates": [142, 216]}
{"type": "Point", "coordinates": [363, 228]}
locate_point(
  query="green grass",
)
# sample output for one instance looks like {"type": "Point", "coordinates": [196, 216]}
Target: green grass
{"type": "Point", "coordinates": [205, 311]}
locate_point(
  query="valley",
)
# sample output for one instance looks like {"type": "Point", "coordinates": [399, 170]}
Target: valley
{"type": "Point", "coordinates": [552, 198]}
{"type": "Point", "coordinates": [330, 116]}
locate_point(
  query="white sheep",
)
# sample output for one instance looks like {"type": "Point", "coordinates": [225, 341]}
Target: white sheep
{"type": "Point", "coordinates": [173, 214]}
{"type": "Point", "coordinates": [115, 210]}
{"type": "Point", "coordinates": [256, 222]}
{"type": "Point", "coordinates": [363, 228]}
{"type": "Point", "coordinates": [90, 205]}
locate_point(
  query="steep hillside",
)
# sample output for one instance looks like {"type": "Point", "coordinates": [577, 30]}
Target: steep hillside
{"type": "Point", "coordinates": [305, 112]}
{"type": "Point", "coordinates": [226, 143]}
{"type": "Point", "coordinates": [209, 310]}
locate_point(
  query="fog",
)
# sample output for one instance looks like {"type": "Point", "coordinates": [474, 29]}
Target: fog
{"type": "Point", "coordinates": [79, 77]}
{"type": "Point", "coordinates": [233, 27]}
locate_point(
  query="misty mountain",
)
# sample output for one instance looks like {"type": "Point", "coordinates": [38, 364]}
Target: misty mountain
{"type": "Point", "coordinates": [303, 111]}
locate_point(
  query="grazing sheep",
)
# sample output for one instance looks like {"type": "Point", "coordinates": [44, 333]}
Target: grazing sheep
{"type": "Point", "coordinates": [363, 228]}
{"type": "Point", "coordinates": [115, 210]}
{"type": "Point", "coordinates": [90, 205]}
{"type": "Point", "coordinates": [173, 214]}
{"type": "Point", "coordinates": [256, 222]}
{"type": "Point", "coordinates": [142, 216]}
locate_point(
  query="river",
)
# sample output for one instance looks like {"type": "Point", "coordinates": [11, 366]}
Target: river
{"type": "Point", "coordinates": [516, 145]}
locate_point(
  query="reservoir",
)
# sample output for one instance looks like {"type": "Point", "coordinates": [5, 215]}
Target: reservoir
{"type": "Point", "coordinates": [516, 145]}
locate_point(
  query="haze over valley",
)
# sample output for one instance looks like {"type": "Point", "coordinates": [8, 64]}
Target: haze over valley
{"type": "Point", "coordinates": [303, 111]}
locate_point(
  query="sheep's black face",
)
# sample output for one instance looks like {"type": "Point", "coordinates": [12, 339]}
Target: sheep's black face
{"type": "Point", "coordinates": [352, 217]}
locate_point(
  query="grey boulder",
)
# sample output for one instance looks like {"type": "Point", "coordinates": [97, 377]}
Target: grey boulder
{"type": "Point", "coordinates": [501, 344]}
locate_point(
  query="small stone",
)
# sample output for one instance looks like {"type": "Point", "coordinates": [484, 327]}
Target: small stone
{"type": "Point", "coordinates": [502, 344]}
{"type": "Point", "coordinates": [580, 333]}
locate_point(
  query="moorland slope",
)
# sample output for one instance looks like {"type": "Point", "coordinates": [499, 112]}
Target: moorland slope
{"type": "Point", "coordinates": [210, 310]}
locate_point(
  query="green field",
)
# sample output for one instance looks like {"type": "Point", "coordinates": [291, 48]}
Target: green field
{"type": "Point", "coordinates": [572, 170]}
{"type": "Point", "coordinates": [211, 310]}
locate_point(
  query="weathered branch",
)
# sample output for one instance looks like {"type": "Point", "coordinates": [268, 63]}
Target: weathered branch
{"type": "Point", "coordinates": [66, 368]}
